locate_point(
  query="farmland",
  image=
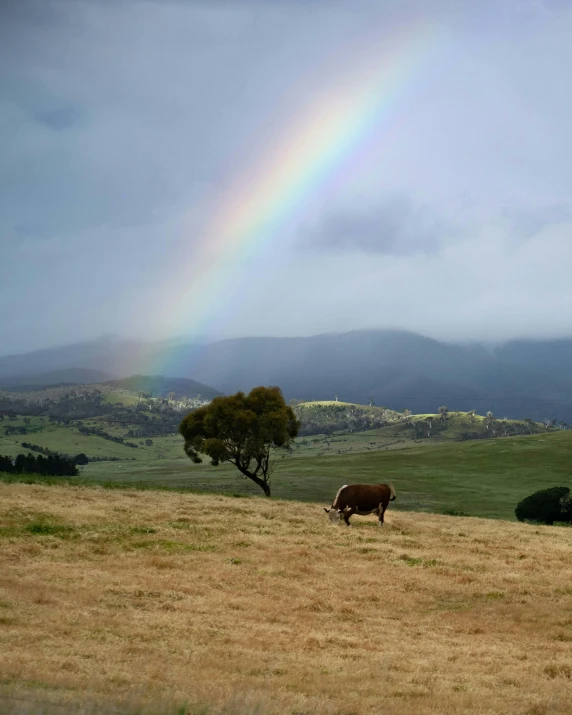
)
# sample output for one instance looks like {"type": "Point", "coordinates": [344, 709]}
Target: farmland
{"type": "Point", "coordinates": [480, 477]}
{"type": "Point", "coordinates": [437, 465]}
{"type": "Point", "coordinates": [207, 599]}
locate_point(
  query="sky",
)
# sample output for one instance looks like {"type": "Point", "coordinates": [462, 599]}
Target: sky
{"type": "Point", "coordinates": [201, 170]}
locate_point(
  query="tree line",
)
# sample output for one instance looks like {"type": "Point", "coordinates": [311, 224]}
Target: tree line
{"type": "Point", "coordinates": [52, 465]}
{"type": "Point", "coordinates": [81, 458]}
{"type": "Point", "coordinates": [86, 431]}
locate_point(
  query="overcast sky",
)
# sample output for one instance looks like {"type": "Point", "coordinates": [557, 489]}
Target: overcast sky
{"type": "Point", "coordinates": [126, 126]}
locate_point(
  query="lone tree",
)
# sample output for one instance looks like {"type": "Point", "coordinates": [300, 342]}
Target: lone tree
{"type": "Point", "coordinates": [443, 413]}
{"type": "Point", "coordinates": [241, 429]}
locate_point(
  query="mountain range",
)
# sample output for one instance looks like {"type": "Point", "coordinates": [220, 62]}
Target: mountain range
{"type": "Point", "coordinates": [397, 369]}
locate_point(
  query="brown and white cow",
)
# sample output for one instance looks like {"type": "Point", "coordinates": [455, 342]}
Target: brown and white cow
{"type": "Point", "coordinates": [360, 499]}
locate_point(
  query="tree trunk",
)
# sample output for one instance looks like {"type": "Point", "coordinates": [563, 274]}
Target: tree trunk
{"type": "Point", "coordinates": [261, 483]}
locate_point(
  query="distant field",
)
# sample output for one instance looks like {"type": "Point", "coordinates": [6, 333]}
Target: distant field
{"type": "Point", "coordinates": [479, 477]}
{"type": "Point", "coordinates": [208, 600]}
{"type": "Point", "coordinates": [482, 478]}
{"type": "Point", "coordinates": [70, 441]}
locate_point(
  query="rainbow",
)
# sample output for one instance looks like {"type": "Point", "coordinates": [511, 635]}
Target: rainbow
{"type": "Point", "coordinates": [314, 156]}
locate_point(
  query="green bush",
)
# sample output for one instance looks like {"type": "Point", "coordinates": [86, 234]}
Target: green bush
{"type": "Point", "coordinates": [546, 506]}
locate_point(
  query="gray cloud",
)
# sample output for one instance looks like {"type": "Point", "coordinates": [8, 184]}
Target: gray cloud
{"type": "Point", "coordinates": [396, 226]}
{"type": "Point", "coordinates": [59, 119]}
{"type": "Point", "coordinates": [526, 221]}
{"type": "Point", "coordinates": [128, 128]}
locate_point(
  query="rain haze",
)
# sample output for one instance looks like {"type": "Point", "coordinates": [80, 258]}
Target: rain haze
{"type": "Point", "coordinates": [158, 177]}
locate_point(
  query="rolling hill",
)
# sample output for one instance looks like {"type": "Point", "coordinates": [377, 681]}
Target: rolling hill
{"type": "Point", "coordinates": [394, 368]}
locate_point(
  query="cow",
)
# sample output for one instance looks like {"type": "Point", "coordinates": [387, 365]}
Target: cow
{"type": "Point", "coordinates": [361, 499]}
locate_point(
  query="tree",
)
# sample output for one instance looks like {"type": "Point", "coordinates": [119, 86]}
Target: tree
{"type": "Point", "coordinates": [241, 429]}
{"type": "Point", "coordinates": [545, 506]}
{"type": "Point", "coordinates": [429, 423]}
{"type": "Point", "coordinates": [443, 413]}
{"type": "Point", "coordinates": [489, 420]}
{"type": "Point", "coordinates": [530, 424]}
{"type": "Point", "coordinates": [81, 459]}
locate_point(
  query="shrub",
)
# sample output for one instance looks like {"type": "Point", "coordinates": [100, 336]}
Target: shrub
{"type": "Point", "coordinates": [566, 507]}
{"type": "Point", "coordinates": [545, 506]}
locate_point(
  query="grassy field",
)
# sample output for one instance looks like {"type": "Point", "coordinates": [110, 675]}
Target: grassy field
{"type": "Point", "coordinates": [482, 477]}
{"type": "Point", "coordinates": [203, 599]}
{"type": "Point", "coordinates": [68, 440]}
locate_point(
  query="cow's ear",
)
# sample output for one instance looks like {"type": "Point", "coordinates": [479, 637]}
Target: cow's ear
{"type": "Point", "coordinates": [326, 510]}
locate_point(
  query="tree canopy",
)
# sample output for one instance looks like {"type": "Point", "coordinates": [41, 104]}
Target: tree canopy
{"type": "Point", "coordinates": [243, 430]}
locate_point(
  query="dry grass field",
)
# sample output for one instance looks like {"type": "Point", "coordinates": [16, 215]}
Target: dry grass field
{"type": "Point", "coordinates": [109, 595]}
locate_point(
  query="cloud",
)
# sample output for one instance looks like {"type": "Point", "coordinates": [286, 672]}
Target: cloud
{"type": "Point", "coordinates": [130, 128]}
{"type": "Point", "coordinates": [59, 119]}
{"type": "Point", "coordinates": [526, 221]}
{"type": "Point", "coordinates": [396, 226]}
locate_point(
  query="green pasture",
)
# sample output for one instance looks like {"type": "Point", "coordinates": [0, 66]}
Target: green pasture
{"type": "Point", "coordinates": [121, 397]}
{"type": "Point", "coordinates": [68, 440]}
{"type": "Point", "coordinates": [481, 478]}
{"type": "Point", "coordinates": [484, 477]}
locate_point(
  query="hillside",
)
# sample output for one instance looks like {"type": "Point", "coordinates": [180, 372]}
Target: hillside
{"type": "Point", "coordinates": [333, 417]}
{"type": "Point", "coordinates": [161, 386]}
{"type": "Point", "coordinates": [327, 417]}
{"type": "Point", "coordinates": [107, 421]}
{"type": "Point", "coordinates": [394, 368]}
{"type": "Point", "coordinates": [268, 606]}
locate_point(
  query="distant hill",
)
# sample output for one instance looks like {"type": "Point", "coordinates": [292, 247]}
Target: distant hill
{"type": "Point", "coordinates": [553, 357]}
{"type": "Point", "coordinates": [67, 376]}
{"type": "Point", "coordinates": [394, 368]}
{"type": "Point", "coordinates": [160, 386]}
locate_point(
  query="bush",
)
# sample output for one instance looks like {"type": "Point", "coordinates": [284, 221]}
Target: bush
{"type": "Point", "coordinates": [566, 507]}
{"type": "Point", "coordinates": [54, 465]}
{"type": "Point", "coordinates": [546, 506]}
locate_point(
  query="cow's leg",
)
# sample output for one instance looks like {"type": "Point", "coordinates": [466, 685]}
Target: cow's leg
{"type": "Point", "coordinates": [346, 514]}
{"type": "Point", "coordinates": [382, 509]}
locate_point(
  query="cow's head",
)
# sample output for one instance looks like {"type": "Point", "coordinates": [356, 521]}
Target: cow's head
{"type": "Point", "coordinates": [334, 514]}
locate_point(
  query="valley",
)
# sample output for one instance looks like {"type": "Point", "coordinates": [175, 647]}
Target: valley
{"type": "Point", "coordinates": [460, 464]}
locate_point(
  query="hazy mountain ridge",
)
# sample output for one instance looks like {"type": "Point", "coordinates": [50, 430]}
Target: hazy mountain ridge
{"type": "Point", "coordinates": [397, 369]}
{"type": "Point", "coordinates": [66, 376]}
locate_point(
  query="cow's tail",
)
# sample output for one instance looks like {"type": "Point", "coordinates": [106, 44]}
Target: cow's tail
{"type": "Point", "coordinates": [392, 493]}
